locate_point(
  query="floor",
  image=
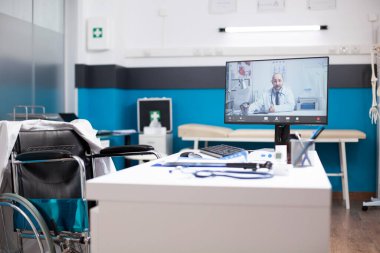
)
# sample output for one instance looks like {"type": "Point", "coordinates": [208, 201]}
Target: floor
{"type": "Point", "coordinates": [354, 230]}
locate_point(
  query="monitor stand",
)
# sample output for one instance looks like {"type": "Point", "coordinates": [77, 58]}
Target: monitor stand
{"type": "Point", "coordinates": [281, 134]}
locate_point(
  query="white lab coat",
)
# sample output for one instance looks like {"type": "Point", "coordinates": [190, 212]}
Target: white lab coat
{"type": "Point", "coordinates": [9, 131]}
{"type": "Point", "coordinates": [287, 101]}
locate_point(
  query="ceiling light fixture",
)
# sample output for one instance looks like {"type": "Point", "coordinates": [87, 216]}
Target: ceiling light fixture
{"type": "Point", "coordinates": [295, 28]}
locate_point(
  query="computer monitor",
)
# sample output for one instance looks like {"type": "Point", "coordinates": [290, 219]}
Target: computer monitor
{"type": "Point", "coordinates": [282, 92]}
{"type": "Point", "coordinates": [68, 116]}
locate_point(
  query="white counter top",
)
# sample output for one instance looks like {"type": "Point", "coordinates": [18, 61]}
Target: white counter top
{"type": "Point", "coordinates": [160, 184]}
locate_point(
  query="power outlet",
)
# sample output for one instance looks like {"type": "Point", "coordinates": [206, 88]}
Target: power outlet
{"type": "Point", "coordinates": [333, 50]}
{"type": "Point", "coordinates": [208, 52]}
{"type": "Point", "coordinates": [355, 49]}
{"type": "Point", "coordinates": [163, 12]}
{"type": "Point", "coordinates": [197, 52]}
{"type": "Point", "coordinates": [372, 17]}
{"type": "Point", "coordinates": [344, 50]}
{"type": "Point", "coordinates": [218, 51]}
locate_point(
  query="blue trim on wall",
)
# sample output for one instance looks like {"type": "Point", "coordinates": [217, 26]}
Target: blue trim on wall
{"type": "Point", "coordinates": [110, 108]}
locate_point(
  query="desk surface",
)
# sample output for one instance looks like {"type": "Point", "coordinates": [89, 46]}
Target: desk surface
{"type": "Point", "coordinates": [146, 183]}
{"type": "Point", "coordinates": [148, 209]}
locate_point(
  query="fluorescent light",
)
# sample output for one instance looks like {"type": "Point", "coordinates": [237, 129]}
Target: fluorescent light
{"type": "Point", "coordinates": [296, 28]}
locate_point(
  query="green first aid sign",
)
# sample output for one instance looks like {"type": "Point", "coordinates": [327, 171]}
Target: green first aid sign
{"type": "Point", "coordinates": [155, 115]}
{"type": "Point", "coordinates": [97, 32]}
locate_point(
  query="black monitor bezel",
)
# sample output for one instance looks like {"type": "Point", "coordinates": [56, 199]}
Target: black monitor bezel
{"type": "Point", "coordinates": [280, 122]}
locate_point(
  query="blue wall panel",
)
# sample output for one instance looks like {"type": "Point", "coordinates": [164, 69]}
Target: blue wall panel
{"type": "Point", "coordinates": [348, 109]}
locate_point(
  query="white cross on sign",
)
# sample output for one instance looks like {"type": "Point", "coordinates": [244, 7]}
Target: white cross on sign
{"type": "Point", "coordinates": [97, 32]}
{"type": "Point", "coordinates": [155, 115]}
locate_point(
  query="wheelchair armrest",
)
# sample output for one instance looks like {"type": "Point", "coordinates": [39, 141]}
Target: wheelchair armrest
{"type": "Point", "coordinates": [127, 150]}
{"type": "Point", "coordinates": [43, 155]}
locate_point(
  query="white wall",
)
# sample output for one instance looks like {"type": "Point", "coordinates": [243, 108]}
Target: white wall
{"type": "Point", "coordinates": [141, 37]}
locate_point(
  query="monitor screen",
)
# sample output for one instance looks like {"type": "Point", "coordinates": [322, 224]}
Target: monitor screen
{"type": "Point", "coordinates": [277, 91]}
{"type": "Point", "coordinates": [68, 117]}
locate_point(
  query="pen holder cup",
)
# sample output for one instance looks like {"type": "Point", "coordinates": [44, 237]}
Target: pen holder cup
{"type": "Point", "coordinates": [300, 152]}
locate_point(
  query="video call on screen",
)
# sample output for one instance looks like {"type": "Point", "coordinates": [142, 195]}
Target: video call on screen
{"type": "Point", "coordinates": [277, 91]}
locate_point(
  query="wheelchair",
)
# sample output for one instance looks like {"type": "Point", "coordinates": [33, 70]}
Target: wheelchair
{"type": "Point", "coordinates": [49, 169]}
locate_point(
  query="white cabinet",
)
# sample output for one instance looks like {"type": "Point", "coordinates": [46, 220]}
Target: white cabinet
{"type": "Point", "coordinates": [162, 143]}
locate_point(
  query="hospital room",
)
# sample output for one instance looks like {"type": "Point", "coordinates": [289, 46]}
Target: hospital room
{"type": "Point", "coordinates": [189, 126]}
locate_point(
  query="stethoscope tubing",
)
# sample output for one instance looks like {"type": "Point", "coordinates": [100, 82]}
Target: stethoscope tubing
{"type": "Point", "coordinates": [231, 173]}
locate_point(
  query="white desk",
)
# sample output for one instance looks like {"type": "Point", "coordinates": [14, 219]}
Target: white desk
{"type": "Point", "coordinates": [148, 209]}
{"type": "Point", "coordinates": [197, 133]}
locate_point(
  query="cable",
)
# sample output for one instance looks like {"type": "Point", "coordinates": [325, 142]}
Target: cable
{"type": "Point", "coordinates": [232, 174]}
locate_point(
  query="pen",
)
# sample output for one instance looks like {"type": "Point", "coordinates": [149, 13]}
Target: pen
{"type": "Point", "coordinates": [299, 138]}
{"type": "Point", "coordinates": [305, 147]}
{"type": "Point", "coordinates": [317, 132]}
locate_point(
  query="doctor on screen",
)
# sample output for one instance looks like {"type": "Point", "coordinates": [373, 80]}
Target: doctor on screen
{"type": "Point", "coordinates": [276, 99]}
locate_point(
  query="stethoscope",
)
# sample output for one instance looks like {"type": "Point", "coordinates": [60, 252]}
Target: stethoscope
{"type": "Point", "coordinates": [223, 173]}
{"type": "Point", "coordinates": [232, 174]}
